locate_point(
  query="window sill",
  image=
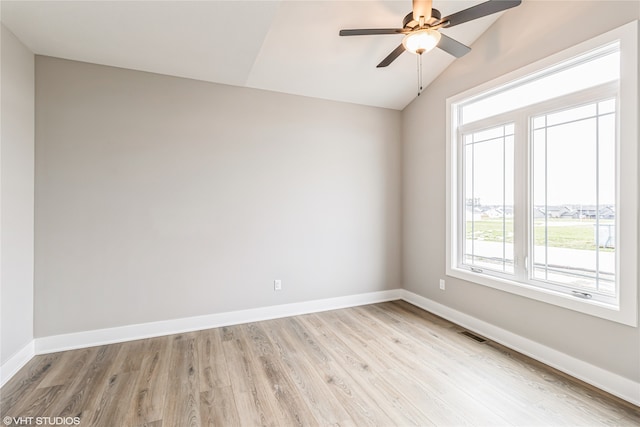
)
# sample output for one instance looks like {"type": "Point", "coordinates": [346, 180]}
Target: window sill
{"type": "Point", "coordinates": [625, 314]}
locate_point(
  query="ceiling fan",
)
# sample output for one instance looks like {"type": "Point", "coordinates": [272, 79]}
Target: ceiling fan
{"type": "Point", "coordinates": [421, 26]}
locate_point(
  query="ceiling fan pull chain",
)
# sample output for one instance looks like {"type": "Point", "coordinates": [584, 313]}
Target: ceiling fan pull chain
{"type": "Point", "coordinates": [419, 74]}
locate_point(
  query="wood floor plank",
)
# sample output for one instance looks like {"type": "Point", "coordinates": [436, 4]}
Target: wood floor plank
{"type": "Point", "coordinates": [117, 392]}
{"type": "Point", "coordinates": [130, 357]}
{"type": "Point", "coordinates": [214, 372]}
{"type": "Point", "coordinates": [401, 409]}
{"type": "Point", "coordinates": [253, 404]}
{"type": "Point", "coordinates": [183, 382]}
{"type": "Point", "coordinates": [464, 373]}
{"type": "Point", "coordinates": [218, 407]}
{"type": "Point", "coordinates": [39, 401]}
{"type": "Point", "coordinates": [19, 388]}
{"type": "Point", "coordinates": [382, 389]}
{"type": "Point", "coordinates": [150, 390]}
{"type": "Point", "coordinates": [335, 379]}
{"type": "Point", "coordinates": [150, 424]}
{"type": "Point", "coordinates": [382, 364]}
{"type": "Point", "coordinates": [432, 400]}
{"type": "Point", "coordinates": [518, 390]}
{"type": "Point", "coordinates": [350, 350]}
{"type": "Point", "coordinates": [458, 379]}
{"type": "Point", "coordinates": [327, 350]}
{"type": "Point", "coordinates": [308, 381]}
{"type": "Point", "coordinates": [84, 389]}
{"type": "Point", "coordinates": [292, 410]}
{"type": "Point", "coordinates": [67, 367]}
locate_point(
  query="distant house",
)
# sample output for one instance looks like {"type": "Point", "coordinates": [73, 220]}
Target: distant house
{"type": "Point", "coordinates": [607, 212]}
{"type": "Point", "coordinates": [492, 213]}
{"type": "Point", "coordinates": [498, 212]}
{"type": "Point", "coordinates": [591, 212]}
{"type": "Point", "coordinates": [554, 212]}
{"type": "Point", "coordinates": [588, 212]}
{"type": "Point", "coordinates": [571, 213]}
{"type": "Point", "coordinates": [575, 212]}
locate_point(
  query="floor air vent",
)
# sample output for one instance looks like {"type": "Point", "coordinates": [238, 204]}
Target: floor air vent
{"type": "Point", "coordinates": [473, 336]}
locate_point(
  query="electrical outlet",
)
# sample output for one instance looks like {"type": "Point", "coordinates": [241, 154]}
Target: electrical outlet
{"type": "Point", "coordinates": [442, 284]}
{"type": "Point", "coordinates": [277, 285]}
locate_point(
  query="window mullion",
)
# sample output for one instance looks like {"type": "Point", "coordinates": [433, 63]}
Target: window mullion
{"type": "Point", "coordinates": [521, 198]}
{"type": "Point", "coordinates": [461, 226]}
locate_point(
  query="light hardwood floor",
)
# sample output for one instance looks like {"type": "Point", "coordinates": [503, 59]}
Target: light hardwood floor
{"type": "Point", "coordinates": [384, 364]}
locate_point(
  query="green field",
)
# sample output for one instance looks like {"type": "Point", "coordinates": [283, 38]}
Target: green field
{"type": "Point", "coordinates": [562, 233]}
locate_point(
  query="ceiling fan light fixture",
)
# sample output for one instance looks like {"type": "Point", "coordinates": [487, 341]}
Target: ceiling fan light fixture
{"type": "Point", "coordinates": [421, 41]}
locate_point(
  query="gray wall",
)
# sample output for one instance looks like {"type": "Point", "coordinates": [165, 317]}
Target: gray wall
{"type": "Point", "coordinates": [513, 42]}
{"type": "Point", "coordinates": [16, 196]}
{"type": "Point", "coordinates": [160, 198]}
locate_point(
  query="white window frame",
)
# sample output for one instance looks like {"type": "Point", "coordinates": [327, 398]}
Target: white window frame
{"type": "Point", "coordinates": [625, 310]}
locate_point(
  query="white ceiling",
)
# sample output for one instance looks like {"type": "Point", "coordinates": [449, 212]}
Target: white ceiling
{"type": "Point", "coordinates": [289, 46]}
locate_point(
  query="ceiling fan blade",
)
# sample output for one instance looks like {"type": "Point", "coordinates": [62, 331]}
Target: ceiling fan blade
{"type": "Point", "coordinates": [478, 11]}
{"type": "Point", "coordinates": [391, 57]}
{"type": "Point", "coordinates": [371, 31]}
{"type": "Point", "coordinates": [422, 8]}
{"type": "Point", "coordinates": [452, 46]}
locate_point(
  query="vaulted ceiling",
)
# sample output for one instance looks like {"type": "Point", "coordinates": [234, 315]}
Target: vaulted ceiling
{"type": "Point", "coordinates": [289, 46]}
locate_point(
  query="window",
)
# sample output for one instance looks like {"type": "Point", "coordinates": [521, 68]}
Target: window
{"type": "Point", "coordinates": [542, 180]}
{"type": "Point", "coordinates": [488, 199]}
{"type": "Point", "coordinates": [573, 203]}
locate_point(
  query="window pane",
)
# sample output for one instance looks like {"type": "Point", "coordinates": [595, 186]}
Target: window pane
{"type": "Point", "coordinates": [548, 84]}
{"type": "Point", "coordinates": [608, 106]}
{"type": "Point", "coordinates": [488, 217]}
{"type": "Point", "coordinates": [539, 122]}
{"type": "Point", "coordinates": [485, 135]}
{"type": "Point", "coordinates": [571, 115]}
{"type": "Point", "coordinates": [574, 199]}
{"type": "Point", "coordinates": [539, 152]}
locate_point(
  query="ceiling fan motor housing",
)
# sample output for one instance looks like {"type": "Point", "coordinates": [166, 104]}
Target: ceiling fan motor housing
{"type": "Point", "coordinates": [409, 22]}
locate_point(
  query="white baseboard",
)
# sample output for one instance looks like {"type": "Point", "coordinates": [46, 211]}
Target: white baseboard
{"type": "Point", "coordinates": [93, 338]}
{"type": "Point", "coordinates": [605, 380]}
{"type": "Point", "coordinates": [16, 362]}
{"type": "Point", "coordinates": [613, 383]}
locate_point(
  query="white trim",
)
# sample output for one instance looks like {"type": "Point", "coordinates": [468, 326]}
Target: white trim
{"type": "Point", "coordinates": [610, 382]}
{"type": "Point", "coordinates": [16, 362]}
{"type": "Point", "coordinates": [627, 200]}
{"type": "Point", "coordinates": [118, 334]}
